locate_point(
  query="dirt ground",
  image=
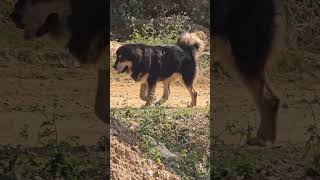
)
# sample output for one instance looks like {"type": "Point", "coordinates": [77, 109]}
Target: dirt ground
{"type": "Point", "coordinates": [27, 89]}
{"type": "Point", "coordinates": [297, 91]}
{"type": "Point", "coordinates": [125, 92]}
{"type": "Point", "coordinates": [28, 93]}
{"type": "Point", "coordinates": [300, 92]}
{"type": "Point", "coordinates": [127, 162]}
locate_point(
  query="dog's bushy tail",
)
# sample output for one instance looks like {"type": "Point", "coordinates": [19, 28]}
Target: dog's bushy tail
{"type": "Point", "coordinates": [193, 41]}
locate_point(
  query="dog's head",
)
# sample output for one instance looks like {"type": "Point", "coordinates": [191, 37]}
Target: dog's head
{"type": "Point", "coordinates": [80, 26]}
{"type": "Point", "coordinates": [38, 17]}
{"type": "Point", "coordinates": [128, 56]}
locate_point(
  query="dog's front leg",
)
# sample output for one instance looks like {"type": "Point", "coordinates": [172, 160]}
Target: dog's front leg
{"type": "Point", "coordinates": [151, 94]}
{"type": "Point", "coordinates": [144, 92]}
{"type": "Point", "coordinates": [268, 105]}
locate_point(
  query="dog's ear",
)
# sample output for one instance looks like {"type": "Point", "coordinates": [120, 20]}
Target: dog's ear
{"type": "Point", "coordinates": [137, 53]}
{"type": "Point", "coordinates": [133, 53]}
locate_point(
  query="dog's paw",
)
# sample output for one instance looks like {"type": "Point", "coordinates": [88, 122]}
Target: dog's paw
{"type": "Point", "coordinates": [191, 105]}
{"type": "Point", "coordinates": [148, 104]}
{"type": "Point", "coordinates": [160, 102]}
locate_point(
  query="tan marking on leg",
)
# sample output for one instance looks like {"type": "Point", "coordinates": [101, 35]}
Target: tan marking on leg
{"type": "Point", "coordinates": [174, 77]}
{"type": "Point", "coordinates": [166, 90]}
{"type": "Point", "coordinates": [260, 88]}
{"type": "Point", "coordinates": [193, 93]}
{"type": "Point", "coordinates": [143, 91]}
{"type": "Point", "coordinates": [166, 84]}
{"type": "Point", "coordinates": [223, 55]}
{"type": "Point", "coordinates": [166, 87]}
{"type": "Point", "coordinates": [268, 105]}
{"type": "Point", "coordinates": [143, 79]}
{"type": "Point", "coordinates": [151, 94]}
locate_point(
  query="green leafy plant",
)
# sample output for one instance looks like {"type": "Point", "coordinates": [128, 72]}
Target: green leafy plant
{"type": "Point", "coordinates": [60, 163]}
{"type": "Point", "coordinates": [233, 162]}
{"type": "Point", "coordinates": [163, 31]}
{"type": "Point", "coordinates": [5, 9]}
{"type": "Point", "coordinates": [163, 130]}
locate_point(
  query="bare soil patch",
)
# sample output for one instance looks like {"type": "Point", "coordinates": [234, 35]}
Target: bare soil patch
{"type": "Point", "coordinates": [300, 91]}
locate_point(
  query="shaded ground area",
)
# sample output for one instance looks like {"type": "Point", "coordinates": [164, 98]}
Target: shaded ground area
{"type": "Point", "coordinates": [235, 119]}
{"type": "Point", "coordinates": [48, 128]}
{"type": "Point", "coordinates": [295, 116]}
{"type": "Point", "coordinates": [41, 101]}
{"type": "Point", "coordinates": [28, 95]}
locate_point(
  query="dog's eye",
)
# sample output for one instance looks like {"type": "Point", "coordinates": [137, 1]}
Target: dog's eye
{"type": "Point", "coordinates": [120, 56]}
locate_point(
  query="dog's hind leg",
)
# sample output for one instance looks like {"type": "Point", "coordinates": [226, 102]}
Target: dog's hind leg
{"type": "Point", "coordinates": [193, 93]}
{"type": "Point", "coordinates": [268, 105]}
{"type": "Point", "coordinates": [166, 92]}
{"type": "Point", "coordinates": [143, 92]}
{"type": "Point", "coordinates": [260, 89]}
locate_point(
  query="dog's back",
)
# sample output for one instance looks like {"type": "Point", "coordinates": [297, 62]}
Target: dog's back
{"type": "Point", "coordinates": [249, 27]}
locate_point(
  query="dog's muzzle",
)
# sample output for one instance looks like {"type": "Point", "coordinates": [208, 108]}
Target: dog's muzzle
{"type": "Point", "coordinates": [121, 68]}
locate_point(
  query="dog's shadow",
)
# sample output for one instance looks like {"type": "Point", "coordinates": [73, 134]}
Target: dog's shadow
{"type": "Point", "coordinates": [163, 106]}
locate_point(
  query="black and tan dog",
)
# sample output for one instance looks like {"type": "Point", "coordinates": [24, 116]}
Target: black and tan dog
{"type": "Point", "coordinates": [79, 25]}
{"type": "Point", "coordinates": [151, 64]}
{"type": "Point", "coordinates": [246, 34]}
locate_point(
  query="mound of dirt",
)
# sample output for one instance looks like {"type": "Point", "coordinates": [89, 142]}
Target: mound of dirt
{"type": "Point", "coordinates": [127, 163]}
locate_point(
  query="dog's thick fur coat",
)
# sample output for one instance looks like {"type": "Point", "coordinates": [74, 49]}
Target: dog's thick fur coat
{"type": "Point", "coordinates": [151, 64]}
